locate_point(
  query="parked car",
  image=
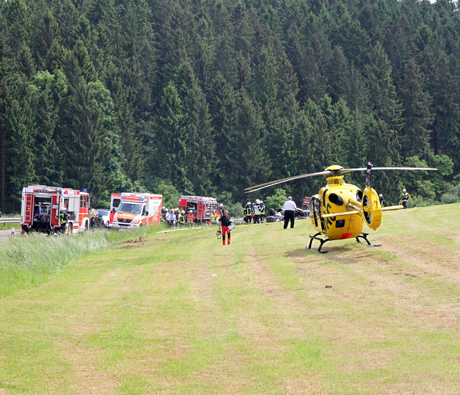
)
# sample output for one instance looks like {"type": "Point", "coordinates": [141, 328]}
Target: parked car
{"type": "Point", "coordinates": [103, 215]}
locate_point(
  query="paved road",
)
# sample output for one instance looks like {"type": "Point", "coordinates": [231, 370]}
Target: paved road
{"type": "Point", "coordinates": [4, 234]}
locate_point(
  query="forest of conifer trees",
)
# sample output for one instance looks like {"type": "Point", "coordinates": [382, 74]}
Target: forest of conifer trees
{"type": "Point", "coordinates": [209, 97]}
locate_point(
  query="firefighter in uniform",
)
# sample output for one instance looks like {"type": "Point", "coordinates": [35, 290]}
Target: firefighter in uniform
{"type": "Point", "coordinates": [224, 223]}
{"type": "Point", "coordinates": [63, 220]}
{"type": "Point", "coordinates": [405, 198]}
{"type": "Point", "coordinates": [382, 200]}
{"type": "Point", "coordinates": [92, 217]}
{"type": "Point", "coordinates": [247, 213]}
{"type": "Point", "coordinates": [256, 209]}
{"type": "Point", "coordinates": [262, 211]}
{"type": "Point", "coordinates": [190, 218]}
{"type": "Point", "coordinates": [221, 209]}
{"type": "Point", "coordinates": [214, 218]}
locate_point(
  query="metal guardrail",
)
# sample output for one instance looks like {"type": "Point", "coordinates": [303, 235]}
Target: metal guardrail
{"type": "Point", "coordinates": [9, 221]}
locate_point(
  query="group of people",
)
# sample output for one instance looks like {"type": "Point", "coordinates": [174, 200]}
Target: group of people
{"type": "Point", "coordinates": [254, 212]}
{"type": "Point", "coordinates": [177, 218]}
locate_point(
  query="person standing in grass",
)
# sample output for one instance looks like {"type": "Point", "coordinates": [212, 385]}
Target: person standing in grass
{"type": "Point", "coordinates": [224, 223]}
{"type": "Point", "coordinates": [405, 198]}
{"type": "Point", "coordinates": [247, 213]}
{"type": "Point", "coordinates": [289, 212]}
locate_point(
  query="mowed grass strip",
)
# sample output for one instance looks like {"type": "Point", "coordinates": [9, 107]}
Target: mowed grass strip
{"type": "Point", "coordinates": [180, 313]}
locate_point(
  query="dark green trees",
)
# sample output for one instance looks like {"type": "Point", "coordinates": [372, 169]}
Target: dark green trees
{"type": "Point", "coordinates": [210, 97]}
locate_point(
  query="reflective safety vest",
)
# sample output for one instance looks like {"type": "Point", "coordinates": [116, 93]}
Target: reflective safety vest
{"type": "Point", "coordinates": [405, 197]}
{"type": "Point", "coordinates": [247, 211]}
{"type": "Point", "coordinates": [62, 218]}
{"type": "Point", "coordinates": [214, 217]}
{"type": "Point", "coordinates": [190, 217]}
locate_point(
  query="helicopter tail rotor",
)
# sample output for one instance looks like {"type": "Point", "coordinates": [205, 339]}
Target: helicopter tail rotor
{"type": "Point", "coordinates": [372, 211]}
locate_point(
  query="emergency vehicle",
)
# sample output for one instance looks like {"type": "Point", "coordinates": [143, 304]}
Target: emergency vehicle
{"type": "Point", "coordinates": [201, 207]}
{"type": "Point", "coordinates": [306, 204]}
{"type": "Point", "coordinates": [132, 209]}
{"type": "Point", "coordinates": [41, 206]}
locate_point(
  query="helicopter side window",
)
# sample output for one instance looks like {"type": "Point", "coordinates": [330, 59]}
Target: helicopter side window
{"type": "Point", "coordinates": [336, 199]}
{"type": "Point", "coordinates": [359, 195]}
{"type": "Point", "coordinates": [340, 223]}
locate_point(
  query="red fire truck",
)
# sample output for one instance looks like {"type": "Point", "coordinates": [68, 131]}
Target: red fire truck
{"type": "Point", "coordinates": [201, 207]}
{"type": "Point", "coordinates": [41, 206]}
{"type": "Point", "coordinates": [130, 210]}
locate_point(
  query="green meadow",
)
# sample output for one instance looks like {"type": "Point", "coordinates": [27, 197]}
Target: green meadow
{"type": "Point", "coordinates": [176, 312]}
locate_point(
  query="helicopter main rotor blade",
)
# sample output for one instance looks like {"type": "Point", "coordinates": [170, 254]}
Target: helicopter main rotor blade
{"type": "Point", "coordinates": [387, 168]}
{"type": "Point", "coordinates": [282, 180]}
{"type": "Point", "coordinates": [405, 168]}
{"type": "Point", "coordinates": [337, 172]}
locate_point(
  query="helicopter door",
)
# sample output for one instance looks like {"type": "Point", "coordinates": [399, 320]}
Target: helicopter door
{"type": "Point", "coordinates": [371, 208]}
{"type": "Point", "coordinates": [315, 213]}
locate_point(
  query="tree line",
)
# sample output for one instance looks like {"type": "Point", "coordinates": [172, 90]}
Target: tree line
{"type": "Point", "coordinates": [209, 97]}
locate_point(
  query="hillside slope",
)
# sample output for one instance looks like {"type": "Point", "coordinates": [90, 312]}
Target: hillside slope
{"type": "Point", "coordinates": [180, 313]}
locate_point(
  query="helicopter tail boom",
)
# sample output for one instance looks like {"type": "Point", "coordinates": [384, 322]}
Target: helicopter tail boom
{"type": "Point", "coordinates": [341, 214]}
{"type": "Point", "coordinates": [392, 208]}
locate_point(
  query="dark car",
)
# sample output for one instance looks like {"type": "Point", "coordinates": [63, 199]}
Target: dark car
{"type": "Point", "coordinates": [276, 216]}
{"type": "Point", "coordinates": [102, 217]}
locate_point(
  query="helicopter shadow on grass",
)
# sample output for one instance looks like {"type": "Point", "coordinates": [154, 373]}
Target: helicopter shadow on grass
{"type": "Point", "coordinates": [345, 254]}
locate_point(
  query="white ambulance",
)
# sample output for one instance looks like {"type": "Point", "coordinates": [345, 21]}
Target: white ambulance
{"type": "Point", "coordinates": [132, 209]}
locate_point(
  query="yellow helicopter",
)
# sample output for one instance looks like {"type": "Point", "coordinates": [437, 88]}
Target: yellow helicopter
{"type": "Point", "coordinates": [339, 210]}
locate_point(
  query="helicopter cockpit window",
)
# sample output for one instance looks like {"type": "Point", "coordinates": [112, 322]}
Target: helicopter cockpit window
{"type": "Point", "coordinates": [336, 199]}
{"type": "Point", "coordinates": [315, 212]}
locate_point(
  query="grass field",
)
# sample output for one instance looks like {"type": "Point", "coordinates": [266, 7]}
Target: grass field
{"type": "Point", "coordinates": [179, 313]}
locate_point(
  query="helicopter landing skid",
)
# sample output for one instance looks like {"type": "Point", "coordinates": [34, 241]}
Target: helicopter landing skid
{"type": "Point", "coordinates": [322, 241]}
{"type": "Point", "coordinates": [364, 236]}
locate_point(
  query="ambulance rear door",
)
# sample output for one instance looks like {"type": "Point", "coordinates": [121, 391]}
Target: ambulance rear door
{"type": "Point", "coordinates": [115, 201]}
{"type": "Point", "coordinates": [154, 209]}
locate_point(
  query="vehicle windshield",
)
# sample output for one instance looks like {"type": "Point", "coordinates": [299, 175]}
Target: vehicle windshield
{"type": "Point", "coordinates": [103, 212]}
{"type": "Point", "coordinates": [132, 208]}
